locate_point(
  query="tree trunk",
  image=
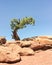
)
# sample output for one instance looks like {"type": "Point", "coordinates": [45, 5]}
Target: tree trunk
{"type": "Point", "coordinates": [15, 35]}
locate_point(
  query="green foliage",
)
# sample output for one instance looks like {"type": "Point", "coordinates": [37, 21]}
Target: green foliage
{"type": "Point", "coordinates": [21, 23]}
{"type": "Point", "coordinates": [14, 24]}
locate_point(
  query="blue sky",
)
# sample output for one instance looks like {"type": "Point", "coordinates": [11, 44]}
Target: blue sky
{"type": "Point", "coordinates": [40, 10]}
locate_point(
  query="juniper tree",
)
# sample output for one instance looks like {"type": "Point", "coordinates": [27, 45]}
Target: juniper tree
{"type": "Point", "coordinates": [17, 24]}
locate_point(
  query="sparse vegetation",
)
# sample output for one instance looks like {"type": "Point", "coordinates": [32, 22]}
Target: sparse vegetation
{"type": "Point", "coordinates": [17, 24]}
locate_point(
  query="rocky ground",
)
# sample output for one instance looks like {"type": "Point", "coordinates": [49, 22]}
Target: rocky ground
{"type": "Point", "coordinates": [30, 51]}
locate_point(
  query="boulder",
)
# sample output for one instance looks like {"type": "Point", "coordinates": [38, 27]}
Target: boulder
{"type": "Point", "coordinates": [40, 43]}
{"type": "Point", "coordinates": [15, 48]}
{"type": "Point", "coordinates": [12, 57]}
{"type": "Point", "coordinates": [25, 43]}
{"type": "Point", "coordinates": [27, 39]}
{"type": "Point", "coordinates": [45, 37]}
{"type": "Point", "coordinates": [35, 45]}
{"type": "Point", "coordinates": [26, 52]}
{"type": "Point", "coordinates": [44, 41]}
{"type": "Point", "coordinates": [9, 57]}
{"type": "Point", "coordinates": [2, 40]}
{"type": "Point", "coordinates": [30, 39]}
{"type": "Point", "coordinates": [6, 55]}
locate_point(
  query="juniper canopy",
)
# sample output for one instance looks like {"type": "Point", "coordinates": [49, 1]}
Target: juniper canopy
{"type": "Point", "coordinates": [17, 24]}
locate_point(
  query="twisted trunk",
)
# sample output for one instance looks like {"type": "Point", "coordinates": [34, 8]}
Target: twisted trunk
{"type": "Point", "coordinates": [15, 35]}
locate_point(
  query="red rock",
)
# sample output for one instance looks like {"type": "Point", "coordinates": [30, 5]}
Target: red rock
{"type": "Point", "coordinates": [14, 51]}
{"type": "Point", "coordinates": [2, 40]}
{"type": "Point", "coordinates": [9, 57]}
{"type": "Point", "coordinates": [12, 57]}
{"type": "Point", "coordinates": [26, 52]}
{"type": "Point", "coordinates": [14, 48]}
{"type": "Point", "coordinates": [6, 55]}
{"type": "Point", "coordinates": [25, 43]}
{"type": "Point", "coordinates": [36, 46]}
{"type": "Point", "coordinates": [45, 37]}
{"type": "Point", "coordinates": [44, 41]}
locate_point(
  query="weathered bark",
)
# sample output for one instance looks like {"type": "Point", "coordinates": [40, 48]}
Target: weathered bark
{"type": "Point", "coordinates": [15, 35]}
